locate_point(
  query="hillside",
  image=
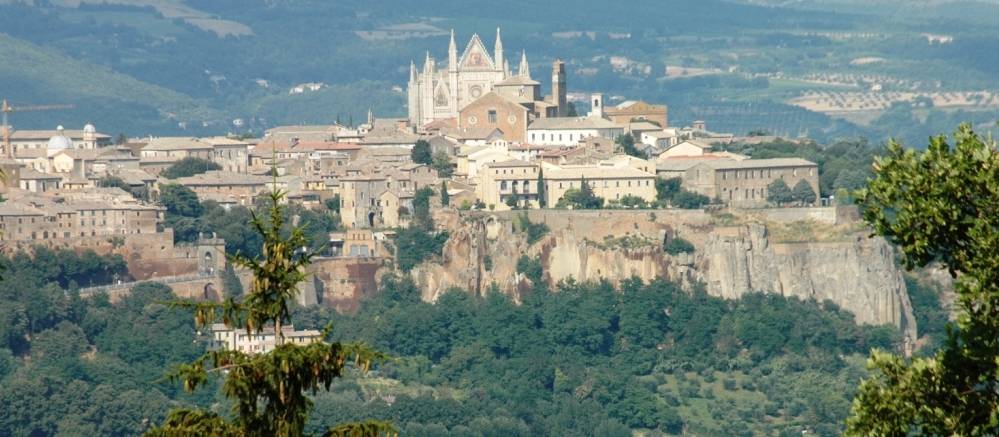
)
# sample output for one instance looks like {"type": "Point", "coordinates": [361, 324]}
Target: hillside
{"type": "Point", "coordinates": [216, 61]}
{"type": "Point", "coordinates": [33, 74]}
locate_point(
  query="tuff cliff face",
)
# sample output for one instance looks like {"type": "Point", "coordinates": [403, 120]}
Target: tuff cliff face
{"type": "Point", "coordinates": [857, 273]}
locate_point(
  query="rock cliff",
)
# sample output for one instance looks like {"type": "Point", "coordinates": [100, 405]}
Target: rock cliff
{"type": "Point", "coordinates": [857, 273]}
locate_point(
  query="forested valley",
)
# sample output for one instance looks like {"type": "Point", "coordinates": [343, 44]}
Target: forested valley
{"type": "Point", "coordinates": [573, 359]}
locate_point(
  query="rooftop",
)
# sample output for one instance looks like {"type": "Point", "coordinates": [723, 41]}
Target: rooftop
{"type": "Point", "coordinates": [567, 123]}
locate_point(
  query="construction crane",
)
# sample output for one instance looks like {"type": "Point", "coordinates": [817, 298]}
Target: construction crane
{"type": "Point", "coordinates": [6, 109]}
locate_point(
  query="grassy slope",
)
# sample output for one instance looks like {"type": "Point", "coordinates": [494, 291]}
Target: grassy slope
{"type": "Point", "coordinates": [33, 74]}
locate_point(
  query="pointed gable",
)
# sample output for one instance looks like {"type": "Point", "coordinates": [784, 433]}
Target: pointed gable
{"type": "Point", "coordinates": [442, 95]}
{"type": "Point", "coordinates": [475, 56]}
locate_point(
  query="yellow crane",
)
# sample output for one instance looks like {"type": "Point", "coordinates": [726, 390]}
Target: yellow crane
{"type": "Point", "coordinates": [6, 108]}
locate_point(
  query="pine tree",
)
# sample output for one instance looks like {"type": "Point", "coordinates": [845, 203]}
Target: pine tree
{"type": "Point", "coordinates": [268, 390]}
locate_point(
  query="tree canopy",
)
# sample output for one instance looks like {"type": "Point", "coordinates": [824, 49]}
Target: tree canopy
{"type": "Point", "coordinates": [779, 193]}
{"type": "Point", "coordinates": [189, 166]}
{"type": "Point", "coordinates": [421, 153]}
{"type": "Point", "coordinates": [939, 206]}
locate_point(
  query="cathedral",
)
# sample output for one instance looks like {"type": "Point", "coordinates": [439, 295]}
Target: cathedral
{"type": "Point", "coordinates": [436, 94]}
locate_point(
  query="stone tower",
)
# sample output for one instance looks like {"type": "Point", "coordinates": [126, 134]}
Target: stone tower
{"type": "Point", "coordinates": [558, 87]}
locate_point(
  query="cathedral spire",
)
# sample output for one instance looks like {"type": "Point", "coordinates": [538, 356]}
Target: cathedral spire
{"type": "Point", "coordinates": [452, 54]}
{"type": "Point", "coordinates": [525, 70]}
{"type": "Point", "coordinates": [428, 65]}
{"type": "Point", "coordinates": [499, 50]}
{"type": "Point", "coordinates": [412, 71]}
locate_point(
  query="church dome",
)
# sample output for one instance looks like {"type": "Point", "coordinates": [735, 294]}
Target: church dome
{"type": "Point", "coordinates": [89, 129]}
{"type": "Point", "coordinates": [60, 141]}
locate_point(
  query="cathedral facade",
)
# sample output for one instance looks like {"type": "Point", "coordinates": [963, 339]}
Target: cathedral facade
{"type": "Point", "coordinates": [436, 94]}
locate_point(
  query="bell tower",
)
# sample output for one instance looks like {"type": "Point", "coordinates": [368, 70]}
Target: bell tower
{"type": "Point", "coordinates": [558, 87]}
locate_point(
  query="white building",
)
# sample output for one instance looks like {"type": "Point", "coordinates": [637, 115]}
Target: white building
{"type": "Point", "coordinates": [87, 138]}
{"type": "Point", "coordinates": [264, 341]}
{"type": "Point", "coordinates": [569, 131]}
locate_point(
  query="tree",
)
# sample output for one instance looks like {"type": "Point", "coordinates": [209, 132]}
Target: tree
{"type": "Point", "coordinates": [803, 193]}
{"type": "Point", "coordinates": [421, 209]}
{"type": "Point", "coordinates": [666, 188]}
{"type": "Point", "coordinates": [626, 143]}
{"type": "Point", "coordinates": [632, 201]}
{"type": "Point", "coordinates": [779, 193]}
{"type": "Point", "coordinates": [333, 204]}
{"type": "Point", "coordinates": [939, 206]}
{"type": "Point", "coordinates": [542, 190]}
{"type": "Point", "coordinates": [581, 198]}
{"type": "Point", "coordinates": [269, 391]}
{"type": "Point", "coordinates": [571, 110]}
{"type": "Point", "coordinates": [421, 153]}
{"type": "Point", "coordinates": [189, 166]}
{"type": "Point", "coordinates": [513, 200]}
{"type": "Point", "coordinates": [442, 163]}
{"type": "Point", "coordinates": [180, 200]}
{"type": "Point", "coordinates": [445, 197]}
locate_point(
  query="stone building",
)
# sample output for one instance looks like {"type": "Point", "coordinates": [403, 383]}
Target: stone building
{"type": "Point", "coordinates": [55, 221]}
{"type": "Point", "coordinates": [225, 187]}
{"type": "Point", "coordinates": [744, 183]}
{"type": "Point", "coordinates": [609, 181]}
{"type": "Point", "coordinates": [495, 111]}
{"type": "Point", "coordinates": [497, 181]}
{"type": "Point", "coordinates": [359, 197]}
{"type": "Point", "coordinates": [637, 110]}
{"type": "Point", "coordinates": [86, 138]}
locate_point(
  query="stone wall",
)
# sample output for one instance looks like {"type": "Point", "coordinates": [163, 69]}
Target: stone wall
{"type": "Point", "coordinates": [342, 282]}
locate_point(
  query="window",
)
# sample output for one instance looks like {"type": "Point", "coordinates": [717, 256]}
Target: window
{"type": "Point", "coordinates": [492, 116]}
{"type": "Point", "coordinates": [503, 185]}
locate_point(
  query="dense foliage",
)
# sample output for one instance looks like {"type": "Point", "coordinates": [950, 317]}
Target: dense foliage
{"type": "Point", "coordinates": [677, 245]}
{"type": "Point", "coordinates": [421, 153]}
{"type": "Point", "coordinates": [86, 366]}
{"type": "Point", "coordinates": [189, 218]}
{"type": "Point", "coordinates": [670, 193]}
{"type": "Point", "coordinates": [843, 165]}
{"type": "Point", "coordinates": [189, 166]}
{"type": "Point", "coordinates": [940, 206]}
{"type": "Point", "coordinates": [586, 359]}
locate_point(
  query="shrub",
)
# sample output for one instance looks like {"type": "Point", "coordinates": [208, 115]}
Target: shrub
{"type": "Point", "coordinates": [677, 245]}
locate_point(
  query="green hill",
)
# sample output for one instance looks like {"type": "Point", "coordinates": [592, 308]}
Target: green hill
{"type": "Point", "coordinates": [32, 74]}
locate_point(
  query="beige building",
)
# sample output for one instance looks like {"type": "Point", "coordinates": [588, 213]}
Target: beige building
{"type": "Point", "coordinates": [45, 221]}
{"type": "Point", "coordinates": [86, 138]}
{"type": "Point", "coordinates": [234, 339]}
{"type": "Point", "coordinates": [744, 183]}
{"type": "Point", "coordinates": [611, 182]}
{"type": "Point", "coordinates": [498, 181]}
{"type": "Point", "coordinates": [225, 187]}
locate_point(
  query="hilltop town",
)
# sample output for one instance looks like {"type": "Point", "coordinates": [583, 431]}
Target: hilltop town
{"type": "Point", "coordinates": [480, 136]}
{"type": "Point", "coordinates": [543, 257]}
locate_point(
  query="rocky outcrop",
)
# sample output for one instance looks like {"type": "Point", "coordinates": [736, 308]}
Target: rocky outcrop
{"type": "Point", "coordinates": [859, 275]}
